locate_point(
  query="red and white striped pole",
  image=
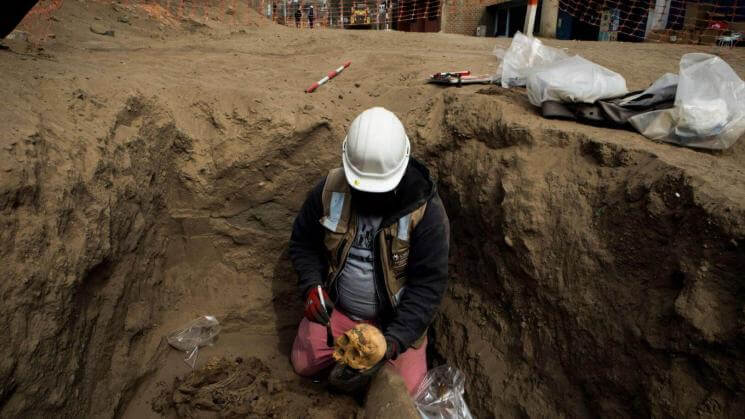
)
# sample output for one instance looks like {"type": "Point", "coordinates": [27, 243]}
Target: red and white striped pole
{"type": "Point", "coordinates": [330, 76]}
{"type": "Point", "coordinates": [530, 17]}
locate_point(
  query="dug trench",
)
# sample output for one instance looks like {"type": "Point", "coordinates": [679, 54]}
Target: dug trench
{"type": "Point", "coordinates": [588, 276]}
{"type": "Point", "coordinates": [593, 272]}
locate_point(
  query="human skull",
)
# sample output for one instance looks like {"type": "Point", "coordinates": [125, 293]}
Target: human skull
{"type": "Point", "coordinates": [360, 347]}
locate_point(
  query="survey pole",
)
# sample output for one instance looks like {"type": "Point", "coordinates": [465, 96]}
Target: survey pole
{"type": "Point", "coordinates": [530, 17]}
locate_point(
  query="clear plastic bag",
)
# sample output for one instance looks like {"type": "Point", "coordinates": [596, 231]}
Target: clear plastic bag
{"type": "Point", "coordinates": [199, 332]}
{"type": "Point", "coordinates": [573, 80]}
{"type": "Point", "coordinates": [524, 53]}
{"type": "Point", "coordinates": [440, 394]}
{"type": "Point", "coordinates": [709, 107]}
{"type": "Point", "coordinates": [499, 53]}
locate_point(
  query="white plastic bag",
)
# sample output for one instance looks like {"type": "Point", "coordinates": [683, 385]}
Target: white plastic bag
{"type": "Point", "coordinates": [499, 53]}
{"type": "Point", "coordinates": [190, 338]}
{"type": "Point", "coordinates": [709, 107]}
{"type": "Point", "coordinates": [524, 53]}
{"type": "Point", "coordinates": [573, 80]}
{"type": "Point", "coordinates": [440, 394]}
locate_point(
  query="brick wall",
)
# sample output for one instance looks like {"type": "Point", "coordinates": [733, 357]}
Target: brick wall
{"type": "Point", "coordinates": [463, 16]}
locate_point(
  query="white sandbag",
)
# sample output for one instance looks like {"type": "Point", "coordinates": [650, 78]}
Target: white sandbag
{"type": "Point", "coordinates": [524, 53]}
{"type": "Point", "coordinates": [709, 107]}
{"type": "Point", "coordinates": [573, 80]}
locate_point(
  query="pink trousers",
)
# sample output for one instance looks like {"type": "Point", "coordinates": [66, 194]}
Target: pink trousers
{"type": "Point", "coordinates": [310, 354]}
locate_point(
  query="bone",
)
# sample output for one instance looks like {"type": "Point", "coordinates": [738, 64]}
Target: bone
{"type": "Point", "coordinates": [360, 347]}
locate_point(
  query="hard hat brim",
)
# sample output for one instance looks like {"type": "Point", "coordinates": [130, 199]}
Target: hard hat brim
{"type": "Point", "coordinates": [364, 183]}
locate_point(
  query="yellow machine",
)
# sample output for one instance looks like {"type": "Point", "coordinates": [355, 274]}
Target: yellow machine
{"type": "Point", "coordinates": [360, 14]}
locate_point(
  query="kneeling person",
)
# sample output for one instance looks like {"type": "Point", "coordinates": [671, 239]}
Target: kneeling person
{"type": "Point", "coordinates": [370, 245]}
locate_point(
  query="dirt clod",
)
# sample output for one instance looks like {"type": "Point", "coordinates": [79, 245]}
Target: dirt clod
{"type": "Point", "coordinates": [101, 30]}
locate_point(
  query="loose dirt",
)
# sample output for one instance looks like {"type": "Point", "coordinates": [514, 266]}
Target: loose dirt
{"type": "Point", "coordinates": [152, 176]}
{"type": "Point", "coordinates": [246, 388]}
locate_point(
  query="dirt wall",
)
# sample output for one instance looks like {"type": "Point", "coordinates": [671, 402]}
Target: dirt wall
{"type": "Point", "coordinates": [589, 277]}
{"type": "Point", "coordinates": [83, 271]}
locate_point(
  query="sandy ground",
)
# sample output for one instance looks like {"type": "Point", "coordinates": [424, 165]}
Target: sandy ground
{"type": "Point", "coordinates": [152, 176]}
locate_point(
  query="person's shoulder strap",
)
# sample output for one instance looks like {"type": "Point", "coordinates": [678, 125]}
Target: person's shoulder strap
{"type": "Point", "coordinates": [408, 223]}
{"type": "Point", "coordinates": [336, 201]}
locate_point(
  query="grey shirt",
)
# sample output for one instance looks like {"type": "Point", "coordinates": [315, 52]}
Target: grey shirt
{"type": "Point", "coordinates": [356, 285]}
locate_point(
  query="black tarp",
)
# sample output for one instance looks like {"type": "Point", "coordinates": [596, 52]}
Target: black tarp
{"type": "Point", "coordinates": [11, 14]}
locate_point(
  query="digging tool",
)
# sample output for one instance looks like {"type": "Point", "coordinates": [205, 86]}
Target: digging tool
{"type": "Point", "coordinates": [452, 73]}
{"type": "Point", "coordinates": [329, 332]}
{"type": "Point", "coordinates": [330, 76]}
{"type": "Point", "coordinates": [459, 78]}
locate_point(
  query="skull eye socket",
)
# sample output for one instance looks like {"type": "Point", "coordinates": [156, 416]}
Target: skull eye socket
{"type": "Point", "coordinates": [360, 335]}
{"type": "Point", "coordinates": [343, 340]}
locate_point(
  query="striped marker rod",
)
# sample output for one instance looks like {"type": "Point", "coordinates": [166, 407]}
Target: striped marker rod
{"type": "Point", "coordinates": [530, 17]}
{"type": "Point", "coordinates": [330, 76]}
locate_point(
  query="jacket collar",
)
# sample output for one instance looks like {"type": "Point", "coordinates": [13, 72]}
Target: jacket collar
{"type": "Point", "coordinates": [415, 189]}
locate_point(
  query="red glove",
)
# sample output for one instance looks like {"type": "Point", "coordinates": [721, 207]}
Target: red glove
{"type": "Point", "coordinates": [318, 306]}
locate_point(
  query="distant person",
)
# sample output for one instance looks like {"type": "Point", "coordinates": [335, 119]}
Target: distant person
{"type": "Point", "coordinates": [382, 15]}
{"type": "Point", "coordinates": [311, 16]}
{"type": "Point", "coordinates": [274, 11]}
{"type": "Point", "coordinates": [298, 16]}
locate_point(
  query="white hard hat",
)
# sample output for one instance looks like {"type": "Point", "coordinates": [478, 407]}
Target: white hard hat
{"type": "Point", "coordinates": [376, 151]}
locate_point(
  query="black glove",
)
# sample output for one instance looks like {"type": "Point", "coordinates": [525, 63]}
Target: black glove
{"type": "Point", "coordinates": [392, 349]}
{"type": "Point", "coordinates": [349, 380]}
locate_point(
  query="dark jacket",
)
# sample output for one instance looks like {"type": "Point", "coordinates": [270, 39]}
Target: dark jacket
{"type": "Point", "coordinates": [428, 261]}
